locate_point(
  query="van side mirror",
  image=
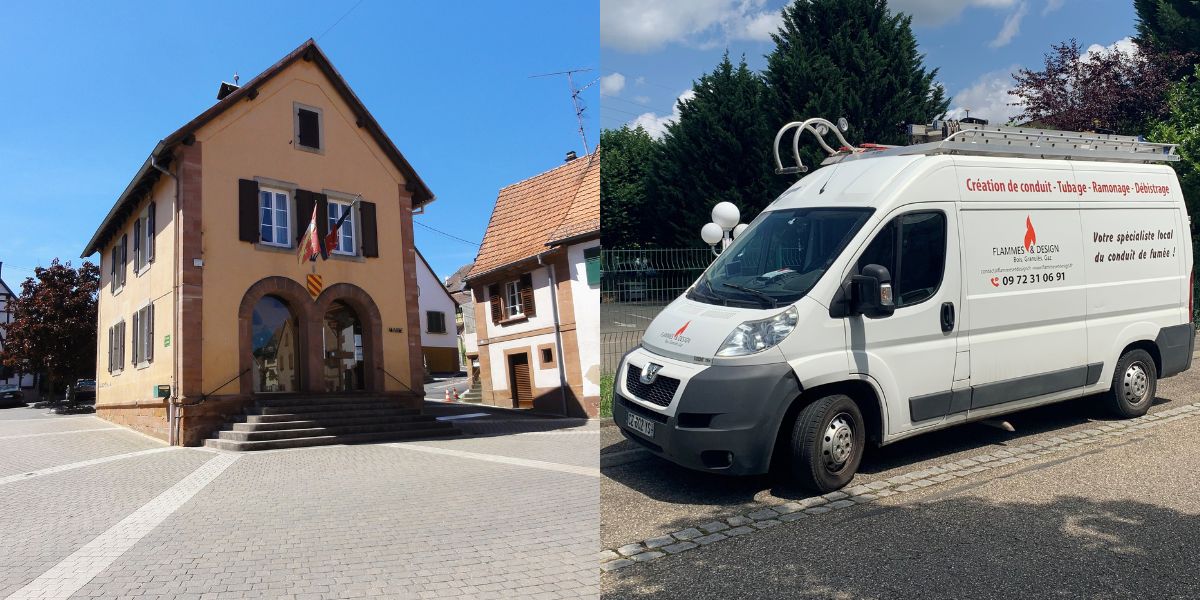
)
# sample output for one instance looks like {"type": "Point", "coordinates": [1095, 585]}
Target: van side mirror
{"type": "Point", "coordinates": [871, 292]}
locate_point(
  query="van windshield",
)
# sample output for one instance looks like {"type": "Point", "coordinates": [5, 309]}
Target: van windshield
{"type": "Point", "coordinates": [779, 257]}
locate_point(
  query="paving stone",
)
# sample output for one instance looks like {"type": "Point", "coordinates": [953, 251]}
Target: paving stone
{"type": "Point", "coordinates": [606, 555]}
{"type": "Point", "coordinates": [688, 534]}
{"type": "Point", "coordinates": [866, 498]}
{"type": "Point", "coordinates": [817, 510]}
{"type": "Point", "coordinates": [766, 513]}
{"type": "Point", "coordinates": [647, 556]}
{"type": "Point", "coordinates": [713, 527]}
{"type": "Point", "coordinates": [811, 502]}
{"type": "Point", "coordinates": [738, 521]}
{"type": "Point", "coordinates": [631, 549]}
{"type": "Point", "coordinates": [705, 540]}
{"type": "Point", "coordinates": [680, 547]}
{"type": "Point", "coordinates": [659, 542]}
{"type": "Point", "coordinates": [831, 496]}
{"type": "Point", "coordinates": [788, 508]}
{"type": "Point", "coordinates": [877, 485]}
{"type": "Point", "coordinates": [767, 523]}
{"type": "Point", "coordinates": [796, 516]}
{"type": "Point", "coordinates": [840, 504]}
{"type": "Point", "coordinates": [908, 487]}
{"type": "Point", "coordinates": [743, 530]}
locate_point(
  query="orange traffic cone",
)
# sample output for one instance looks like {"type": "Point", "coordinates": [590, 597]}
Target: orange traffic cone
{"type": "Point", "coordinates": [448, 396]}
{"type": "Point", "coordinates": [455, 394]}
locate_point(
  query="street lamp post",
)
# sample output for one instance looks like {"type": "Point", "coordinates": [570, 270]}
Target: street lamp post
{"type": "Point", "coordinates": [724, 227]}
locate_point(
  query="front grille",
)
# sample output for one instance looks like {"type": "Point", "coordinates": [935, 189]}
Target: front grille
{"type": "Point", "coordinates": [660, 393]}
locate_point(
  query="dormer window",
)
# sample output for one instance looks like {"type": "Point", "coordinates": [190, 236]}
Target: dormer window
{"type": "Point", "coordinates": [308, 123]}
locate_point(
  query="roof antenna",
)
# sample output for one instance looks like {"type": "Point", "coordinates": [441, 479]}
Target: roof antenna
{"type": "Point", "coordinates": [579, 106]}
{"type": "Point", "coordinates": [235, 78]}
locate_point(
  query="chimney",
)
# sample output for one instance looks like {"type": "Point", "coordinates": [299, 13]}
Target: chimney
{"type": "Point", "coordinates": [571, 156]}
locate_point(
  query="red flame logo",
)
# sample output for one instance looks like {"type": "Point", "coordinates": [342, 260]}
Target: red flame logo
{"type": "Point", "coordinates": [682, 329]}
{"type": "Point", "coordinates": [1030, 235]}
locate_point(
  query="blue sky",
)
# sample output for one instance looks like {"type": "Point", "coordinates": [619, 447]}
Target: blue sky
{"type": "Point", "coordinates": [652, 50]}
{"type": "Point", "coordinates": [91, 87]}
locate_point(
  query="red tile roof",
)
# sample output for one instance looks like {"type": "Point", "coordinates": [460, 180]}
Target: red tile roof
{"type": "Point", "coordinates": [530, 215]}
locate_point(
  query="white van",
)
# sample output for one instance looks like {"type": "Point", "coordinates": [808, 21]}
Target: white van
{"type": "Point", "coordinates": [907, 289]}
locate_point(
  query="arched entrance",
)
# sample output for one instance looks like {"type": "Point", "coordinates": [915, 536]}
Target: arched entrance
{"type": "Point", "coordinates": [274, 343]}
{"type": "Point", "coordinates": [342, 340]}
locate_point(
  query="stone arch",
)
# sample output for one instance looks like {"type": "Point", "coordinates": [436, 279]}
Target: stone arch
{"type": "Point", "coordinates": [301, 305]}
{"type": "Point", "coordinates": [372, 324]}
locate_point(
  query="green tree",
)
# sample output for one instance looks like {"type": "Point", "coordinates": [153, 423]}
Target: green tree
{"type": "Point", "coordinates": [853, 59]}
{"type": "Point", "coordinates": [624, 205]}
{"type": "Point", "coordinates": [1165, 26]}
{"type": "Point", "coordinates": [1182, 126]}
{"type": "Point", "coordinates": [718, 150]}
{"type": "Point", "coordinates": [53, 328]}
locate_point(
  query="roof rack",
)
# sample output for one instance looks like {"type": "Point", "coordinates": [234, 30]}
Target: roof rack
{"type": "Point", "coordinates": [956, 137]}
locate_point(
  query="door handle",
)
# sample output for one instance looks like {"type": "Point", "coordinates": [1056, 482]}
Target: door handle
{"type": "Point", "coordinates": [947, 316]}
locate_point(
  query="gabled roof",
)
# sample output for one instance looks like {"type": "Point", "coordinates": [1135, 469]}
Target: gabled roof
{"type": "Point", "coordinates": [457, 284]}
{"type": "Point", "coordinates": [560, 204]}
{"type": "Point", "coordinates": [147, 175]}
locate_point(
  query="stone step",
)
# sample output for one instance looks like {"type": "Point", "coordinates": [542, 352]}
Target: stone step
{"type": "Point", "coordinates": [323, 407]}
{"type": "Point", "coordinates": [325, 440]}
{"type": "Point", "coordinates": [341, 420]}
{"type": "Point", "coordinates": [369, 428]}
{"type": "Point", "coordinates": [291, 400]}
{"type": "Point", "coordinates": [326, 414]}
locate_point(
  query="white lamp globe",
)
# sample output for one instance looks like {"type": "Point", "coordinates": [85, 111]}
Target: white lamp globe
{"type": "Point", "coordinates": [726, 215]}
{"type": "Point", "coordinates": [739, 229]}
{"type": "Point", "coordinates": [711, 233]}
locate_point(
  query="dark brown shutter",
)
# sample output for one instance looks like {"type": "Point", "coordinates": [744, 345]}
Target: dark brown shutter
{"type": "Point", "coordinates": [497, 308]}
{"type": "Point", "coordinates": [137, 245]}
{"type": "Point", "coordinates": [322, 214]}
{"type": "Point", "coordinates": [124, 257]}
{"type": "Point", "coordinates": [304, 207]}
{"type": "Point", "coordinates": [527, 306]}
{"type": "Point", "coordinates": [151, 225]}
{"type": "Point", "coordinates": [137, 337]}
{"type": "Point", "coordinates": [370, 237]}
{"type": "Point", "coordinates": [149, 325]}
{"type": "Point", "coordinates": [110, 348]}
{"type": "Point", "coordinates": [310, 131]}
{"type": "Point", "coordinates": [112, 271]}
{"type": "Point", "coordinates": [248, 211]}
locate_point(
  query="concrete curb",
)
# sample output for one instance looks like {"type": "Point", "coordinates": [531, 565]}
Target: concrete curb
{"type": "Point", "coordinates": [771, 515]}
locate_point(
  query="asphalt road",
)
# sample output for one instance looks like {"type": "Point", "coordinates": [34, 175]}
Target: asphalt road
{"type": "Point", "coordinates": [1112, 519]}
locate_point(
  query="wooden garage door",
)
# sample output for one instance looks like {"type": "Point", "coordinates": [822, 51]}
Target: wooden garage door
{"type": "Point", "coordinates": [521, 384]}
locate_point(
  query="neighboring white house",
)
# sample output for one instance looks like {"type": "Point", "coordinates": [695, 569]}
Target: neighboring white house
{"type": "Point", "coordinates": [536, 289]}
{"type": "Point", "coordinates": [439, 335]}
{"type": "Point", "coordinates": [469, 355]}
{"type": "Point", "coordinates": [7, 377]}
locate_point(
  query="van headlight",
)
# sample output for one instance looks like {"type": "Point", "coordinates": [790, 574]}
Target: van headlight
{"type": "Point", "coordinates": [756, 336]}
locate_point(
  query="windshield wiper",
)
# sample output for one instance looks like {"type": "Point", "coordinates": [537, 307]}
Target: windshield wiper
{"type": "Point", "coordinates": [710, 294]}
{"type": "Point", "coordinates": [767, 297]}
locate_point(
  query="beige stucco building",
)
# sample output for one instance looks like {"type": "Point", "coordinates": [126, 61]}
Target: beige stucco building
{"type": "Point", "coordinates": [202, 290]}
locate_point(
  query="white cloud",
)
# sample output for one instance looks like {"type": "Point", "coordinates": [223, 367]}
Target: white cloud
{"type": "Point", "coordinates": [1011, 27]}
{"type": "Point", "coordinates": [612, 84]}
{"type": "Point", "coordinates": [1124, 45]}
{"type": "Point", "coordinates": [642, 99]}
{"type": "Point", "coordinates": [656, 125]}
{"type": "Point", "coordinates": [934, 13]}
{"type": "Point", "coordinates": [641, 80]}
{"type": "Point", "coordinates": [1052, 5]}
{"type": "Point", "coordinates": [987, 98]}
{"type": "Point", "coordinates": [640, 26]}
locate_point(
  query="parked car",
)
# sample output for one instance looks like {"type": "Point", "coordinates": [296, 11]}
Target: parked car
{"type": "Point", "coordinates": [85, 390]}
{"type": "Point", "coordinates": [11, 395]}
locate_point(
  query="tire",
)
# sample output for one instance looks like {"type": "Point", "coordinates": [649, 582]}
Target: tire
{"type": "Point", "coordinates": [1134, 384]}
{"type": "Point", "coordinates": [827, 443]}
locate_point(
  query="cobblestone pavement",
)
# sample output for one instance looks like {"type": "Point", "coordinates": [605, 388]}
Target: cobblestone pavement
{"type": "Point", "coordinates": [1088, 507]}
{"type": "Point", "coordinates": [483, 516]}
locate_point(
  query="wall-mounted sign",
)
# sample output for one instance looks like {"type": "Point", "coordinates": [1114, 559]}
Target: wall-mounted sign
{"type": "Point", "coordinates": [396, 329]}
{"type": "Point", "coordinates": [167, 341]}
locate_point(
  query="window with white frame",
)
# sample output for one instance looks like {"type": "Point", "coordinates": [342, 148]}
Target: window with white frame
{"type": "Point", "coordinates": [274, 222]}
{"type": "Point", "coordinates": [512, 299]}
{"type": "Point", "coordinates": [143, 336]}
{"type": "Point", "coordinates": [345, 243]}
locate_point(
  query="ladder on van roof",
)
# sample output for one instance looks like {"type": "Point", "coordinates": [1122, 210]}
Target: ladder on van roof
{"type": "Point", "coordinates": [956, 137]}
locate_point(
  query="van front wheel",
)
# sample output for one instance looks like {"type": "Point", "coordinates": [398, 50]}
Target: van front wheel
{"type": "Point", "coordinates": [827, 443]}
{"type": "Point", "coordinates": [1134, 384]}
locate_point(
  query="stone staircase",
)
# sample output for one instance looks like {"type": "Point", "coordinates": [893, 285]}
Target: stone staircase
{"type": "Point", "coordinates": [473, 395]}
{"type": "Point", "coordinates": [294, 421]}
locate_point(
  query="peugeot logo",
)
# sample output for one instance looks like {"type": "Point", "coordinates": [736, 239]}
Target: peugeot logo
{"type": "Point", "coordinates": [650, 373]}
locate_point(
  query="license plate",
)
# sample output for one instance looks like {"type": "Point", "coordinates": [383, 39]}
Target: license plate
{"type": "Point", "coordinates": [640, 424]}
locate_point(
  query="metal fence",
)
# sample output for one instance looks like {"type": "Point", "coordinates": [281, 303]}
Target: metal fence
{"type": "Point", "coordinates": [634, 286]}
